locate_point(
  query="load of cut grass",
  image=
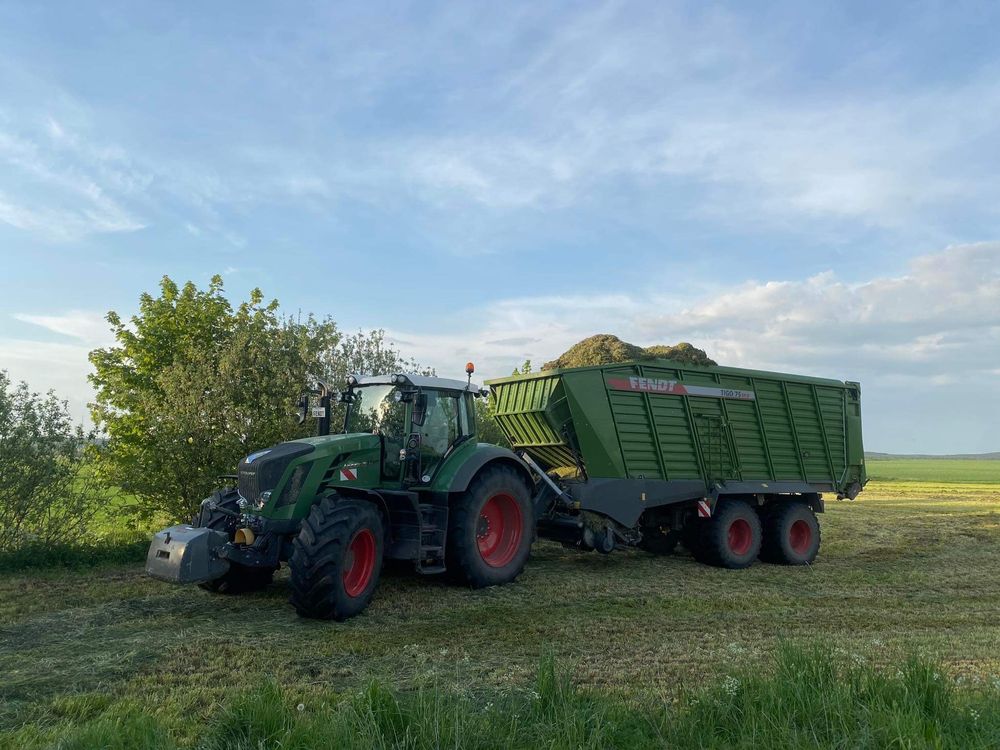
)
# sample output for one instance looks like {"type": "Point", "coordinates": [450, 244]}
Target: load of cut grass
{"type": "Point", "coordinates": [605, 349]}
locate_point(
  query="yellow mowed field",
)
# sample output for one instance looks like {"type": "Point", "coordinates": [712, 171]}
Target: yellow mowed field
{"type": "Point", "coordinates": [908, 568]}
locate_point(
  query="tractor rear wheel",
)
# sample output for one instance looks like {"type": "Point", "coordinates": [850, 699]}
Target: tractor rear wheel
{"type": "Point", "coordinates": [239, 579]}
{"type": "Point", "coordinates": [490, 529]}
{"type": "Point", "coordinates": [730, 538]}
{"type": "Point", "coordinates": [791, 534]}
{"type": "Point", "coordinates": [336, 559]}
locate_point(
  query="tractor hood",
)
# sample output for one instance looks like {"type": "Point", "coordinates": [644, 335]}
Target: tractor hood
{"type": "Point", "coordinates": [272, 480]}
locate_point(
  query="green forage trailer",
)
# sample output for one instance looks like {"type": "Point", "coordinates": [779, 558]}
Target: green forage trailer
{"type": "Point", "coordinates": [730, 463]}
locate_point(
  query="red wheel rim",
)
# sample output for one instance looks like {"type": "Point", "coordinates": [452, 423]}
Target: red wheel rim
{"type": "Point", "coordinates": [740, 536]}
{"type": "Point", "coordinates": [359, 562]}
{"type": "Point", "coordinates": [498, 531]}
{"type": "Point", "coordinates": [800, 537]}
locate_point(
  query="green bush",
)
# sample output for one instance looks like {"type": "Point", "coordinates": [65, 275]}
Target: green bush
{"type": "Point", "coordinates": [46, 496]}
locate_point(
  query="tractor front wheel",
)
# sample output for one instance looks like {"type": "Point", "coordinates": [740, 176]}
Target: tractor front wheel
{"type": "Point", "coordinates": [490, 529]}
{"type": "Point", "coordinates": [239, 579]}
{"type": "Point", "coordinates": [336, 559]}
{"type": "Point", "coordinates": [730, 538]}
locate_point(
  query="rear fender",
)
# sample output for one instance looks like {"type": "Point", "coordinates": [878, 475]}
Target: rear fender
{"type": "Point", "coordinates": [484, 455]}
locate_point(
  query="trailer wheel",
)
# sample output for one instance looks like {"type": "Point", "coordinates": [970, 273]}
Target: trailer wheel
{"type": "Point", "coordinates": [239, 579]}
{"type": "Point", "coordinates": [656, 541]}
{"type": "Point", "coordinates": [730, 538]}
{"type": "Point", "coordinates": [336, 559]}
{"type": "Point", "coordinates": [791, 534]}
{"type": "Point", "coordinates": [490, 529]}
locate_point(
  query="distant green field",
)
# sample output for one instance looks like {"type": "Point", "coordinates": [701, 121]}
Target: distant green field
{"type": "Point", "coordinates": [933, 470]}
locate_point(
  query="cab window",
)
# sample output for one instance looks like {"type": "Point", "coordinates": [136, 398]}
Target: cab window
{"type": "Point", "coordinates": [446, 421]}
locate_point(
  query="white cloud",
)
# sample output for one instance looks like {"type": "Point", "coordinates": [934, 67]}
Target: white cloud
{"type": "Point", "coordinates": [912, 339]}
{"type": "Point", "coordinates": [47, 365]}
{"type": "Point", "coordinates": [696, 104]}
{"type": "Point", "coordinates": [62, 186]}
{"type": "Point", "coordinates": [88, 326]}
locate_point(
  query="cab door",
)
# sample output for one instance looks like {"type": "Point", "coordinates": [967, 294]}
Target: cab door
{"type": "Point", "coordinates": [446, 423]}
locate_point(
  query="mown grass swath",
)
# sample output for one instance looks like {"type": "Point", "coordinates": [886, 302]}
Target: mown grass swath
{"type": "Point", "coordinates": [97, 655]}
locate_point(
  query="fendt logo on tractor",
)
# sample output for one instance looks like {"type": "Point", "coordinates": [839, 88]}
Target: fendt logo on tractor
{"type": "Point", "coordinates": [406, 479]}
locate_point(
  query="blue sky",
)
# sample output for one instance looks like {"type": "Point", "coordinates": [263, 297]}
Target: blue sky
{"type": "Point", "coordinates": [812, 187]}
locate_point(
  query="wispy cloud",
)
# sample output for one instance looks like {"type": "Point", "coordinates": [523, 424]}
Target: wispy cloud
{"type": "Point", "coordinates": [87, 326]}
{"type": "Point", "coordinates": [696, 106]}
{"type": "Point", "coordinates": [912, 335]}
{"type": "Point", "coordinates": [62, 185]}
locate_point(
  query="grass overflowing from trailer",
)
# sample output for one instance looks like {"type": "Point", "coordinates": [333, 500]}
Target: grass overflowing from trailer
{"type": "Point", "coordinates": [583, 650]}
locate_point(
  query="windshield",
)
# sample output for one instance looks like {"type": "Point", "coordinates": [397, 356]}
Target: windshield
{"type": "Point", "coordinates": [376, 410]}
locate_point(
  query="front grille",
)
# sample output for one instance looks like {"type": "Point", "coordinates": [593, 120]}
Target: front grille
{"type": "Point", "coordinates": [263, 473]}
{"type": "Point", "coordinates": [249, 487]}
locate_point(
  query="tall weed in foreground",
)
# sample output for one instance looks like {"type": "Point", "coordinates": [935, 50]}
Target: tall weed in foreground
{"type": "Point", "coordinates": [809, 699]}
{"type": "Point", "coordinates": [813, 700]}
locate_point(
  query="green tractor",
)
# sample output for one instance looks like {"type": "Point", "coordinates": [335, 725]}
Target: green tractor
{"type": "Point", "coordinates": [406, 479]}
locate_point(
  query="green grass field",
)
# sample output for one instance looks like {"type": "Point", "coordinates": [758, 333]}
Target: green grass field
{"type": "Point", "coordinates": [933, 470]}
{"type": "Point", "coordinates": [649, 648]}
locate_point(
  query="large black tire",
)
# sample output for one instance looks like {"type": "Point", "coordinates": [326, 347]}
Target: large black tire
{"type": "Point", "coordinates": [657, 542]}
{"type": "Point", "coordinates": [336, 559]}
{"type": "Point", "coordinates": [791, 534]}
{"type": "Point", "coordinates": [490, 529]}
{"type": "Point", "coordinates": [239, 579]}
{"type": "Point", "coordinates": [730, 538]}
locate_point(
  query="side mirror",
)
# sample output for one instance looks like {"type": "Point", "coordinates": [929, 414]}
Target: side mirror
{"type": "Point", "coordinates": [420, 409]}
{"type": "Point", "coordinates": [303, 408]}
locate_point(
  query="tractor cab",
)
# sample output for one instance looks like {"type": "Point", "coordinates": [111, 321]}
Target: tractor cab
{"type": "Point", "coordinates": [419, 420]}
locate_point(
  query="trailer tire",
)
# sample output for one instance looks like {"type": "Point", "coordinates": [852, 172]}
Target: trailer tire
{"type": "Point", "coordinates": [657, 542]}
{"type": "Point", "coordinates": [490, 530]}
{"type": "Point", "coordinates": [791, 534]}
{"type": "Point", "coordinates": [239, 579]}
{"type": "Point", "coordinates": [730, 538]}
{"type": "Point", "coordinates": [336, 559]}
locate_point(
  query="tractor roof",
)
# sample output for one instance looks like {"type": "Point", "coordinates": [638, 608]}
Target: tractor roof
{"type": "Point", "coordinates": [421, 381]}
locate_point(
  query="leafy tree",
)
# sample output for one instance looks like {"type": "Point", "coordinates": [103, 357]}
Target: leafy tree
{"type": "Point", "coordinates": [44, 496]}
{"type": "Point", "coordinates": [604, 349]}
{"type": "Point", "coordinates": [524, 369]}
{"type": "Point", "coordinates": [487, 428]}
{"type": "Point", "coordinates": [193, 384]}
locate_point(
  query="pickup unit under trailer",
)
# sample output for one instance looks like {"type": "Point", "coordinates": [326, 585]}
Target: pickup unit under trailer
{"type": "Point", "coordinates": [654, 446]}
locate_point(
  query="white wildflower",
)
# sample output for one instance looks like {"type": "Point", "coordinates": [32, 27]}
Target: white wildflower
{"type": "Point", "coordinates": [730, 685]}
{"type": "Point", "coordinates": [301, 707]}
